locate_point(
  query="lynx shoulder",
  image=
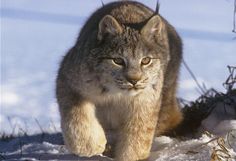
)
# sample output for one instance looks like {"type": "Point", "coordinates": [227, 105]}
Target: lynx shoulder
{"type": "Point", "coordinates": [121, 76]}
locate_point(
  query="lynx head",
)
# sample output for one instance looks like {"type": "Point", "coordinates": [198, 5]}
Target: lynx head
{"type": "Point", "coordinates": [128, 59]}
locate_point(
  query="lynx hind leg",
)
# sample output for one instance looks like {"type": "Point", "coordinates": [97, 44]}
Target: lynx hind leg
{"type": "Point", "coordinates": [170, 117]}
{"type": "Point", "coordinates": [83, 135]}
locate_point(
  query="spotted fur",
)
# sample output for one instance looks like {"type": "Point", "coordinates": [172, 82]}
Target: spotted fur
{"type": "Point", "coordinates": [102, 84]}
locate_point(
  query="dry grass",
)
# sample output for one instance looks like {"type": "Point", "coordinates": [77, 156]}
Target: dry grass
{"type": "Point", "coordinates": [195, 112]}
{"type": "Point", "coordinates": [220, 152]}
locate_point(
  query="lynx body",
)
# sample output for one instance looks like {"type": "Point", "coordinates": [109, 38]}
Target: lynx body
{"type": "Point", "coordinates": [120, 76]}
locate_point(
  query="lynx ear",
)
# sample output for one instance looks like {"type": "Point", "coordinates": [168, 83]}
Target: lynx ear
{"type": "Point", "coordinates": [108, 25]}
{"type": "Point", "coordinates": [153, 28]}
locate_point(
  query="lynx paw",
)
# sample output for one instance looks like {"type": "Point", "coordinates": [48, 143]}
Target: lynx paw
{"type": "Point", "coordinates": [89, 148]}
{"type": "Point", "coordinates": [88, 142]}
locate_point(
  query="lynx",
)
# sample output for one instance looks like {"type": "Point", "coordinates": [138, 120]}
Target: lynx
{"type": "Point", "coordinates": [120, 76]}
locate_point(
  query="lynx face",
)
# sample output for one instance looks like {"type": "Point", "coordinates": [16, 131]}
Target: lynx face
{"type": "Point", "coordinates": [126, 69]}
{"type": "Point", "coordinates": [130, 61]}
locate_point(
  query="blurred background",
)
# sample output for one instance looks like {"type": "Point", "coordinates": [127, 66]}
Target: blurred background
{"type": "Point", "coordinates": [36, 34]}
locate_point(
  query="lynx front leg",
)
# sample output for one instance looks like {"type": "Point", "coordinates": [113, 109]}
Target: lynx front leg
{"type": "Point", "coordinates": [137, 135]}
{"type": "Point", "coordinates": [83, 135]}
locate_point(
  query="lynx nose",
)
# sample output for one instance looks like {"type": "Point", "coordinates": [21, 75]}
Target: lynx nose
{"type": "Point", "coordinates": [133, 78]}
{"type": "Point", "coordinates": [133, 81]}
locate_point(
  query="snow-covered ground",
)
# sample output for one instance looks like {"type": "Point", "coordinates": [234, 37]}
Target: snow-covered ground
{"type": "Point", "coordinates": [36, 34]}
{"type": "Point", "coordinates": [163, 149]}
{"type": "Point", "coordinates": [204, 148]}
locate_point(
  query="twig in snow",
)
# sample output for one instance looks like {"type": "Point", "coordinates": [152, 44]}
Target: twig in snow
{"type": "Point", "coordinates": [102, 2]}
{"type": "Point", "coordinates": [9, 121]}
{"type": "Point", "coordinates": [40, 127]}
{"type": "Point", "coordinates": [194, 78]}
{"type": "Point", "coordinates": [43, 133]}
{"type": "Point", "coordinates": [13, 127]}
{"type": "Point", "coordinates": [234, 18]}
{"type": "Point", "coordinates": [53, 125]}
{"type": "Point", "coordinates": [231, 80]}
{"type": "Point", "coordinates": [21, 151]}
{"type": "Point", "coordinates": [221, 152]}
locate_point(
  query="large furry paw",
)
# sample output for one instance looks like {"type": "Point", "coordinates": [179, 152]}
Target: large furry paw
{"type": "Point", "coordinates": [90, 147]}
{"type": "Point", "coordinates": [87, 143]}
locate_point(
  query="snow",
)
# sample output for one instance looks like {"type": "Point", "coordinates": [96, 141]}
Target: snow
{"type": "Point", "coordinates": [163, 149]}
{"type": "Point", "coordinates": [9, 98]}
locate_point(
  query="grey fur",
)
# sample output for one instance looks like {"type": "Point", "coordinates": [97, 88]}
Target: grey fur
{"type": "Point", "coordinates": [90, 80]}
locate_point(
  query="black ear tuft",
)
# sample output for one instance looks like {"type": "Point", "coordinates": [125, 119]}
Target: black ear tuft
{"type": "Point", "coordinates": [157, 7]}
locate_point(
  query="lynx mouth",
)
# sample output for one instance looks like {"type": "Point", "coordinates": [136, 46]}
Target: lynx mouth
{"type": "Point", "coordinates": [136, 88]}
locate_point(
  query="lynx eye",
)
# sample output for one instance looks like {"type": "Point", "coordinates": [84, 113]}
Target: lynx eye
{"type": "Point", "coordinates": [146, 61]}
{"type": "Point", "coordinates": [118, 61]}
